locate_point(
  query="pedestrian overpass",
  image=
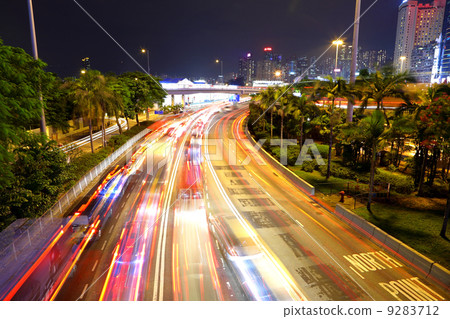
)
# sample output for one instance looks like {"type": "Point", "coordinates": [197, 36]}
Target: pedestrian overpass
{"type": "Point", "coordinates": [226, 89]}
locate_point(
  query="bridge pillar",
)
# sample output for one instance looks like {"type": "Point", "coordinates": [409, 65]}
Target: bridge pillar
{"type": "Point", "coordinates": [173, 100]}
{"type": "Point", "coordinates": [182, 101]}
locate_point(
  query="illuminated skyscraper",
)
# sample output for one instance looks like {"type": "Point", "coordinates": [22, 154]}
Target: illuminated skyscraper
{"type": "Point", "coordinates": [247, 69]}
{"type": "Point", "coordinates": [419, 23]}
{"type": "Point", "coordinates": [265, 69]}
{"type": "Point", "coordinates": [441, 71]}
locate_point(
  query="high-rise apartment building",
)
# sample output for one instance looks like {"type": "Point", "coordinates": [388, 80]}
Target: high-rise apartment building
{"type": "Point", "coordinates": [441, 70]}
{"type": "Point", "coordinates": [247, 69]}
{"type": "Point", "coordinates": [419, 23]}
{"type": "Point", "coordinates": [265, 69]}
{"type": "Point", "coordinates": [371, 60]}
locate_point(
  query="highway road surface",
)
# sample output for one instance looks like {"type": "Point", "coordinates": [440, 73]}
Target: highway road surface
{"type": "Point", "coordinates": [194, 212]}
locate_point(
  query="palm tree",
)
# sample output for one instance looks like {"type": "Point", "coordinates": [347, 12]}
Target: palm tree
{"type": "Point", "coordinates": [381, 84]}
{"type": "Point", "coordinates": [373, 126]}
{"type": "Point", "coordinates": [116, 101]}
{"type": "Point", "coordinates": [427, 97]}
{"type": "Point", "coordinates": [285, 104]}
{"type": "Point", "coordinates": [267, 100]}
{"type": "Point", "coordinates": [87, 93]}
{"type": "Point", "coordinates": [332, 89]}
{"type": "Point", "coordinates": [302, 108]}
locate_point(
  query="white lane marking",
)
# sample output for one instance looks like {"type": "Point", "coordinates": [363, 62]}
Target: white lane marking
{"type": "Point", "coordinates": [84, 291]}
{"type": "Point", "coordinates": [104, 244]}
{"type": "Point", "coordinates": [128, 195]}
{"type": "Point", "coordinates": [209, 206]}
{"type": "Point", "coordinates": [123, 204]}
{"type": "Point", "coordinates": [160, 254]}
{"type": "Point", "coordinates": [299, 223]}
{"type": "Point", "coordinates": [356, 272]}
{"type": "Point", "coordinates": [314, 239]}
{"type": "Point", "coordinates": [95, 265]}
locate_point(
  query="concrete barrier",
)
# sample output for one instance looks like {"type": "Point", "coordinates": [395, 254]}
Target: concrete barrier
{"type": "Point", "coordinates": [392, 243]}
{"type": "Point", "coordinates": [366, 228]}
{"type": "Point", "coordinates": [378, 236]}
{"type": "Point", "coordinates": [344, 212]}
{"type": "Point", "coordinates": [441, 274]}
{"type": "Point", "coordinates": [308, 188]}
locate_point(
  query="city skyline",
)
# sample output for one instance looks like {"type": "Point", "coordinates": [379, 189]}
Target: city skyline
{"type": "Point", "coordinates": [188, 39]}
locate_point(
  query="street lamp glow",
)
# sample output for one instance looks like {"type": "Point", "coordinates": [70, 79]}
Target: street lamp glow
{"type": "Point", "coordinates": [221, 68]}
{"type": "Point", "coordinates": [337, 43]}
{"type": "Point", "coordinates": [145, 51]}
{"type": "Point", "coordinates": [83, 71]}
{"type": "Point", "coordinates": [277, 74]}
{"type": "Point", "coordinates": [402, 60]}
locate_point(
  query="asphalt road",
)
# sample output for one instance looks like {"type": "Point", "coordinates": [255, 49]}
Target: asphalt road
{"type": "Point", "coordinates": [325, 258]}
{"type": "Point", "coordinates": [195, 213]}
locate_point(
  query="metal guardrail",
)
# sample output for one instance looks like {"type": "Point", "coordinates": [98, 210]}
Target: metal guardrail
{"type": "Point", "coordinates": [26, 246]}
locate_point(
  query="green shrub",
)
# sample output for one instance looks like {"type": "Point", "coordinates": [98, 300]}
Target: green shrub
{"type": "Point", "coordinates": [117, 141]}
{"type": "Point", "coordinates": [392, 168]}
{"type": "Point", "coordinates": [435, 191]}
{"type": "Point", "coordinates": [323, 150]}
{"type": "Point", "coordinates": [292, 154]}
{"type": "Point", "coordinates": [262, 135]}
{"type": "Point", "coordinates": [399, 183]}
{"type": "Point", "coordinates": [323, 168]}
{"type": "Point", "coordinates": [342, 172]}
{"type": "Point", "coordinates": [309, 166]}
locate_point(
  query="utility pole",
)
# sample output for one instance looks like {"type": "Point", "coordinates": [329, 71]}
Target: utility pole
{"type": "Point", "coordinates": [36, 57]}
{"type": "Point", "coordinates": [354, 57]}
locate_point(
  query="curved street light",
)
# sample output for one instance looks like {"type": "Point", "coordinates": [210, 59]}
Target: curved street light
{"type": "Point", "coordinates": [36, 57]}
{"type": "Point", "coordinates": [337, 43]}
{"type": "Point", "coordinates": [221, 67]}
{"type": "Point", "coordinates": [145, 51]}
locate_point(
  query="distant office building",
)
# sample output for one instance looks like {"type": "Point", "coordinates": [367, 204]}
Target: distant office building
{"type": "Point", "coordinates": [290, 69]}
{"type": "Point", "coordinates": [303, 64]}
{"type": "Point", "coordinates": [441, 71]}
{"type": "Point", "coordinates": [344, 61]}
{"type": "Point", "coordinates": [419, 23]}
{"type": "Point", "coordinates": [266, 69]}
{"type": "Point", "coordinates": [422, 61]}
{"type": "Point", "coordinates": [372, 60]}
{"type": "Point", "coordinates": [247, 69]}
{"type": "Point", "coordinates": [86, 63]}
{"type": "Point", "coordinates": [313, 69]}
{"type": "Point", "coordinates": [325, 66]}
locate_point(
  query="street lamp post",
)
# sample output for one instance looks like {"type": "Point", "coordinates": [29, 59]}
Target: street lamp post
{"type": "Point", "coordinates": [145, 51]}
{"type": "Point", "coordinates": [355, 45]}
{"type": "Point", "coordinates": [402, 60]}
{"type": "Point", "coordinates": [221, 68]}
{"type": "Point", "coordinates": [36, 57]}
{"type": "Point", "coordinates": [337, 43]}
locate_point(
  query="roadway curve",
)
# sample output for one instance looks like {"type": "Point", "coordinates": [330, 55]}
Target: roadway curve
{"type": "Point", "coordinates": [195, 213]}
{"type": "Point", "coordinates": [325, 258]}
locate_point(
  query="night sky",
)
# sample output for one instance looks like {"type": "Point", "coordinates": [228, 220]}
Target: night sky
{"type": "Point", "coordinates": [186, 36]}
